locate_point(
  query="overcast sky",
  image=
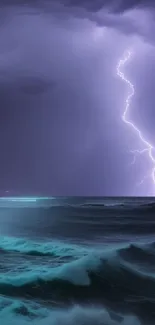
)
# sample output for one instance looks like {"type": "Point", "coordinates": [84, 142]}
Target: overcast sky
{"type": "Point", "coordinates": [61, 100]}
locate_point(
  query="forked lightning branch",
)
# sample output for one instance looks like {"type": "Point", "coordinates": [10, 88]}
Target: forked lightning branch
{"type": "Point", "coordinates": [147, 146]}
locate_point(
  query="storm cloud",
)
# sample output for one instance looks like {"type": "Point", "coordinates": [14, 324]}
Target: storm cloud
{"type": "Point", "coordinates": [61, 131]}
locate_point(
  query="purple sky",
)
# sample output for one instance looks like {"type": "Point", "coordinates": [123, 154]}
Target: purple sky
{"type": "Point", "coordinates": [61, 131]}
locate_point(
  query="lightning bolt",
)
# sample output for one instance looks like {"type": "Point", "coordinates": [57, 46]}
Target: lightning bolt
{"type": "Point", "coordinates": [148, 147]}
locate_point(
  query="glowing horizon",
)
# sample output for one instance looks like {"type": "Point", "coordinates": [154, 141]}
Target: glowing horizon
{"type": "Point", "coordinates": [24, 199]}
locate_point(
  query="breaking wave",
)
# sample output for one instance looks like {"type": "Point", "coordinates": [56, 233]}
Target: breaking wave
{"type": "Point", "coordinates": [77, 315]}
{"type": "Point", "coordinates": [40, 248]}
{"type": "Point", "coordinates": [121, 279]}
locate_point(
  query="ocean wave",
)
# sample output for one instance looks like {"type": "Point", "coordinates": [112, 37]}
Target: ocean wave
{"type": "Point", "coordinates": [143, 254]}
{"type": "Point", "coordinates": [78, 315]}
{"type": "Point", "coordinates": [105, 204]}
{"type": "Point", "coordinates": [40, 248]}
{"type": "Point", "coordinates": [109, 278]}
{"type": "Point", "coordinates": [121, 278]}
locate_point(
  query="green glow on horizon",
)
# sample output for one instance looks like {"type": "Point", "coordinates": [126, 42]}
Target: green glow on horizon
{"type": "Point", "coordinates": [25, 199]}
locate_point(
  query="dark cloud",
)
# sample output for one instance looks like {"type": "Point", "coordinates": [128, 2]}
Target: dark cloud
{"type": "Point", "coordinates": [90, 5]}
{"type": "Point", "coordinates": [108, 13]}
{"type": "Point", "coordinates": [114, 5]}
{"type": "Point", "coordinates": [34, 86]}
{"type": "Point", "coordinates": [60, 97]}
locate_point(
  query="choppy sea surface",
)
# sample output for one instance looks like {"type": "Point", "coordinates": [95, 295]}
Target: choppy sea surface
{"type": "Point", "coordinates": [83, 261]}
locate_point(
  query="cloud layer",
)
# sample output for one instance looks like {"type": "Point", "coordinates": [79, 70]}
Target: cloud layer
{"type": "Point", "coordinates": [61, 102]}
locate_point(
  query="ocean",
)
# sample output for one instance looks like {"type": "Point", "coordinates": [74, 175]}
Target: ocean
{"type": "Point", "coordinates": [83, 261]}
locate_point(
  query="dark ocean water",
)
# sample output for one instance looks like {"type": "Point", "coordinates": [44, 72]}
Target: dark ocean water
{"type": "Point", "coordinates": [83, 261]}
